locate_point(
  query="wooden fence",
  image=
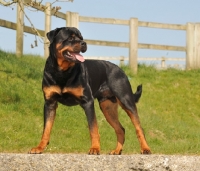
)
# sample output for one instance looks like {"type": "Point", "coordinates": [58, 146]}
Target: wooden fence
{"type": "Point", "coordinates": [192, 47]}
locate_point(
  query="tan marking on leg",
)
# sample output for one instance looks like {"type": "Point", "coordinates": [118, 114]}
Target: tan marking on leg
{"type": "Point", "coordinates": [139, 132]}
{"type": "Point", "coordinates": [95, 138]}
{"type": "Point", "coordinates": [45, 139]}
{"type": "Point", "coordinates": [109, 110]}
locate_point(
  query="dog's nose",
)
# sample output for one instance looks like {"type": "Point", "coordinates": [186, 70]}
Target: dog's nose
{"type": "Point", "coordinates": [83, 46]}
{"type": "Point", "coordinates": [83, 43]}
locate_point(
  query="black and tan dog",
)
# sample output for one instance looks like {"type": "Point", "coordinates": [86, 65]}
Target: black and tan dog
{"type": "Point", "coordinates": [71, 80]}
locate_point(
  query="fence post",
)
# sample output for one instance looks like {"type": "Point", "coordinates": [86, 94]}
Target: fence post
{"type": "Point", "coordinates": [163, 62]}
{"type": "Point", "coordinates": [193, 46]}
{"type": "Point", "coordinates": [47, 28]}
{"type": "Point", "coordinates": [121, 61]}
{"type": "Point", "coordinates": [72, 19]}
{"type": "Point", "coordinates": [189, 45]}
{"type": "Point", "coordinates": [197, 45]}
{"type": "Point", "coordinates": [20, 28]}
{"type": "Point", "coordinates": [133, 44]}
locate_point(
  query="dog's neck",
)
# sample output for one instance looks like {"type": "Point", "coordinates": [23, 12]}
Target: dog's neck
{"type": "Point", "coordinates": [64, 65]}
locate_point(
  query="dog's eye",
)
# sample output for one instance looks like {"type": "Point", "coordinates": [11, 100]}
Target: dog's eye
{"type": "Point", "coordinates": [70, 39]}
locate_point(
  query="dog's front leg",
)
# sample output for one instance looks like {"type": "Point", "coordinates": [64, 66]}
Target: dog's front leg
{"type": "Point", "coordinates": [49, 116]}
{"type": "Point", "coordinates": [93, 127]}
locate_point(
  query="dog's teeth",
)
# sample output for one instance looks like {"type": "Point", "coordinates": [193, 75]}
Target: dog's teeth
{"type": "Point", "coordinates": [68, 53]}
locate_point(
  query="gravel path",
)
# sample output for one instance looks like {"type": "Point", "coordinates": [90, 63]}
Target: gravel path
{"type": "Point", "coordinates": [81, 162]}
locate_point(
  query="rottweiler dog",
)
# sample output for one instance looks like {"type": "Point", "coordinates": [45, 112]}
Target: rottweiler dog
{"type": "Point", "coordinates": [71, 80]}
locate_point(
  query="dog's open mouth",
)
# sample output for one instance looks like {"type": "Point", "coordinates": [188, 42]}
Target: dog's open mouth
{"type": "Point", "coordinates": [73, 56]}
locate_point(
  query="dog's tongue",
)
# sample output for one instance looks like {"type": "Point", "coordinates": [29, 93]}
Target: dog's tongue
{"type": "Point", "coordinates": [78, 57]}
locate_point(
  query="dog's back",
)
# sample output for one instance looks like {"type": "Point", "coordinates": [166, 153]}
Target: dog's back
{"type": "Point", "coordinates": [100, 72]}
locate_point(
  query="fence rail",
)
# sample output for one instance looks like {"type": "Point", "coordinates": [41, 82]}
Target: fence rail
{"type": "Point", "coordinates": [192, 47]}
{"type": "Point", "coordinates": [13, 26]}
{"type": "Point", "coordinates": [162, 26]}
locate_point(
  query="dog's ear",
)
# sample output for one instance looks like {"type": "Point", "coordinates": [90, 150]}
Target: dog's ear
{"type": "Point", "coordinates": [52, 34]}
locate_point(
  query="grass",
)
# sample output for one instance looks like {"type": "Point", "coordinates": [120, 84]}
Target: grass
{"type": "Point", "coordinates": [168, 109]}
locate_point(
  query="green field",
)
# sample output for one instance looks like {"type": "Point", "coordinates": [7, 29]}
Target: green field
{"type": "Point", "coordinates": [169, 111]}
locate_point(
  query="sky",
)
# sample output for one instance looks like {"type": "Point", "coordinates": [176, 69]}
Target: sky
{"type": "Point", "coordinates": [160, 11]}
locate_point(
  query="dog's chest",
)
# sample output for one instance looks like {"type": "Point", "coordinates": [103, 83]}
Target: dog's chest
{"type": "Point", "coordinates": [56, 91]}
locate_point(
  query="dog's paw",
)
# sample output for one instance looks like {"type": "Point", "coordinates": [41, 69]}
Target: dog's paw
{"type": "Point", "coordinates": [146, 151]}
{"type": "Point", "coordinates": [116, 152]}
{"type": "Point", "coordinates": [94, 151]}
{"type": "Point", "coordinates": [36, 150]}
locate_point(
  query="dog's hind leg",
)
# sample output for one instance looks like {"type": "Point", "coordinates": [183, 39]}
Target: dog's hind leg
{"type": "Point", "coordinates": [139, 132]}
{"type": "Point", "coordinates": [109, 109]}
{"type": "Point", "coordinates": [128, 101]}
{"type": "Point", "coordinates": [133, 114]}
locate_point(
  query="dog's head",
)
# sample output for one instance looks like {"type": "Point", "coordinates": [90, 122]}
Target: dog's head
{"type": "Point", "coordinates": [66, 43]}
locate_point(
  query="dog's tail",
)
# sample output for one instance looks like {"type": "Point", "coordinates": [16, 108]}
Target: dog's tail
{"type": "Point", "coordinates": [138, 93]}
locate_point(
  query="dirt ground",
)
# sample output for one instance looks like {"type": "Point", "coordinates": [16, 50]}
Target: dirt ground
{"type": "Point", "coordinates": [82, 162]}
